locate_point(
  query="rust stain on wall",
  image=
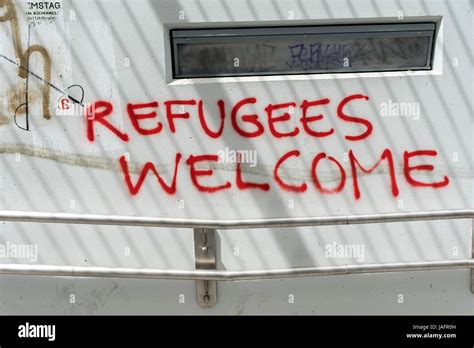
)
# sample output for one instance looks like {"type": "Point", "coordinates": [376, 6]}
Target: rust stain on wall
{"type": "Point", "coordinates": [67, 158]}
{"type": "Point", "coordinates": [16, 96]}
{"type": "Point", "coordinates": [23, 55]}
{"type": "Point", "coordinates": [4, 120]}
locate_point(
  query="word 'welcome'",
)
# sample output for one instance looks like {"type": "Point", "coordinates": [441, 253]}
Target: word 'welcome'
{"type": "Point", "coordinates": [251, 126]}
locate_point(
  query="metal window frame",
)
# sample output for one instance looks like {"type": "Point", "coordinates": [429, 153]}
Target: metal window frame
{"type": "Point", "coordinates": [206, 275]}
{"type": "Point", "coordinates": [256, 34]}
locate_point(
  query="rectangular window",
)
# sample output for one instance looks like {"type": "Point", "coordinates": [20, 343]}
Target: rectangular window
{"type": "Point", "coordinates": [302, 50]}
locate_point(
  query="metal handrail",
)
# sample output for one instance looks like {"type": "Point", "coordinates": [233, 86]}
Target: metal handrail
{"type": "Point", "coordinates": [121, 220]}
{"type": "Point", "coordinates": [222, 275]}
{"type": "Point", "coordinates": [74, 271]}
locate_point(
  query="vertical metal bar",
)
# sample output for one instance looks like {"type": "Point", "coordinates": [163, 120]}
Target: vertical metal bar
{"type": "Point", "coordinates": [472, 255]}
{"type": "Point", "coordinates": [205, 258]}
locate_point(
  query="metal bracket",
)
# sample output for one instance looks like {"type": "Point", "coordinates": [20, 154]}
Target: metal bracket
{"type": "Point", "coordinates": [472, 254]}
{"type": "Point", "coordinates": [205, 258]}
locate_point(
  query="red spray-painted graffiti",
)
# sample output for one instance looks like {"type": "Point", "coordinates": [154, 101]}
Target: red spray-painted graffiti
{"type": "Point", "coordinates": [99, 114]}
